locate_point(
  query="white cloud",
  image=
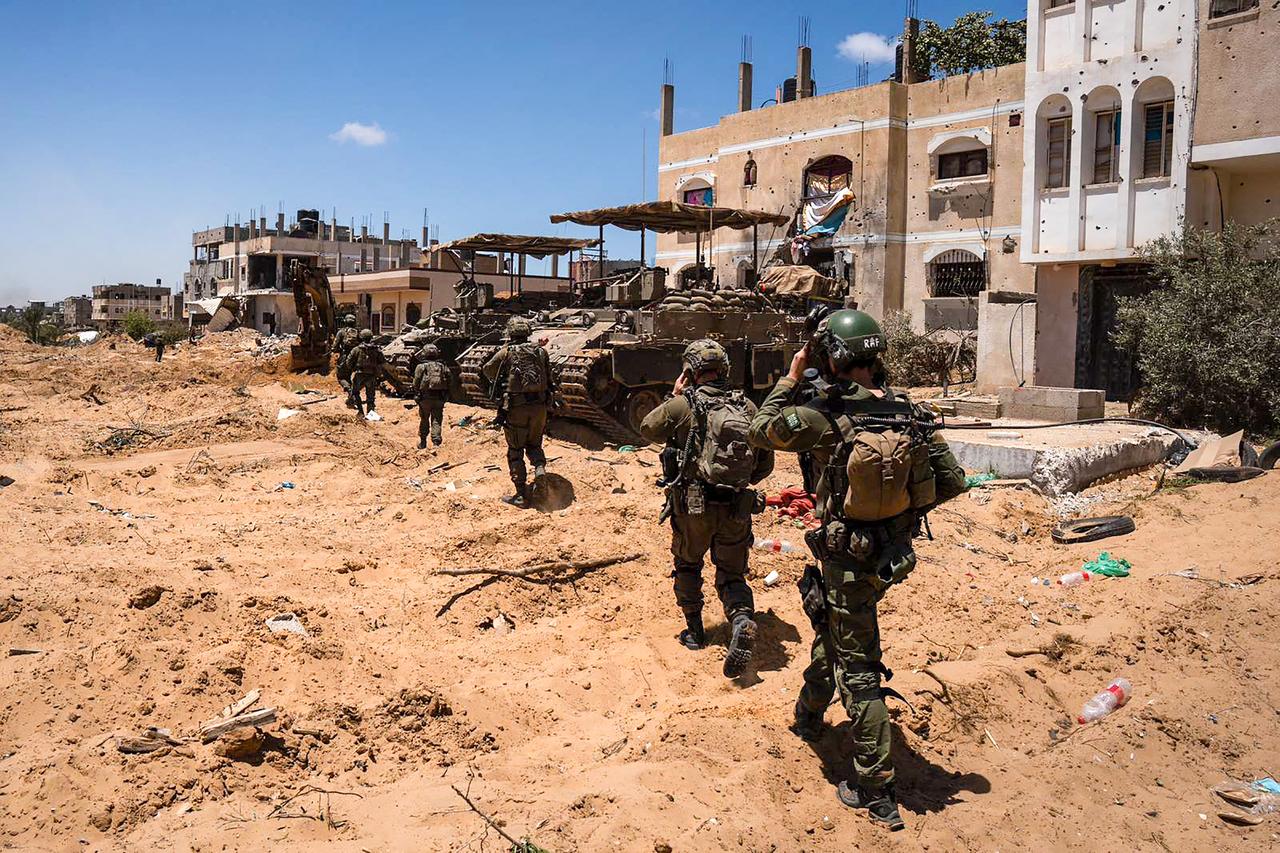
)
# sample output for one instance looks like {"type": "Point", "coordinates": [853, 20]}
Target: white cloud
{"type": "Point", "coordinates": [361, 134]}
{"type": "Point", "coordinates": [867, 47]}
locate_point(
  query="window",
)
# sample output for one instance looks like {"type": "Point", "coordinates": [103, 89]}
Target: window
{"type": "Point", "coordinates": [749, 172]}
{"type": "Point", "coordinates": [827, 177]}
{"type": "Point", "coordinates": [1157, 141]}
{"type": "Point", "coordinates": [412, 313]}
{"type": "Point", "coordinates": [1222, 8]}
{"type": "Point", "coordinates": [388, 316]}
{"type": "Point", "coordinates": [702, 197]}
{"type": "Point", "coordinates": [962, 164]}
{"type": "Point", "coordinates": [1106, 147]}
{"type": "Point", "coordinates": [1058, 4]}
{"type": "Point", "coordinates": [957, 273]}
{"type": "Point", "coordinates": [1059, 160]}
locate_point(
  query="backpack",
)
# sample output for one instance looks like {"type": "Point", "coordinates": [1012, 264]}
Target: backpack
{"type": "Point", "coordinates": [367, 358]}
{"type": "Point", "coordinates": [526, 373]}
{"type": "Point", "coordinates": [725, 458]}
{"type": "Point", "coordinates": [885, 466]}
{"type": "Point", "coordinates": [435, 377]}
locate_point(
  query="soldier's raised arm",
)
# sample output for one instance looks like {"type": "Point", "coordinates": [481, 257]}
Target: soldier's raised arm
{"type": "Point", "coordinates": [948, 476]}
{"type": "Point", "coordinates": [493, 366]}
{"type": "Point", "coordinates": [661, 424]}
{"type": "Point", "coordinates": [782, 425]}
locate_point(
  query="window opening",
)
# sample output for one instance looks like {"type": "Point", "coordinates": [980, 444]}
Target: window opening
{"type": "Point", "coordinates": [1106, 147]}
{"type": "Point", "coordinates": [1059, 160]}
{"type": "Point", "coordinates": [957, 273]}
{"type": "Point", "coordinates": [1222, 8]}
{"type": "Point", "coordinates": [1157, 141]}
{"type": "Point", "coordinates": [702, 197]}
{"type": "Point", "coordinates": [827, 177]}
{"type": "Point", "coordinates": [962, 164]}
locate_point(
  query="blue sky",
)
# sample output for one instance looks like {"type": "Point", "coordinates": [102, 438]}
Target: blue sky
{"type": "Point", "coordinates": [128, 125]}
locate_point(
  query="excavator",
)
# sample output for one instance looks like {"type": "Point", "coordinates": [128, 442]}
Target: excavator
{"type": "Point", "coordinates": [317, 318]}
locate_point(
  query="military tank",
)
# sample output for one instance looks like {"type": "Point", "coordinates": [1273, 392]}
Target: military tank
{"type": "Point", "coordinates": [615, 365]}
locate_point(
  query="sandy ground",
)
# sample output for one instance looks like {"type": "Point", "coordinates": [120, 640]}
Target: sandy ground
{"type": "Point", "coordinates": [583, 726]}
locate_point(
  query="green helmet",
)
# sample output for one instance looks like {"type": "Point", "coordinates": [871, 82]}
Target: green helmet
{"type": "Point", "coordinates": [518, 329]}
{"type": "Point", "coordinates": [850, 336]}
{"type": "Point", "coordinates": [366, 335]}
{"type": "Point", "coordinates": [429, 352]}
{"type": "Point", "coordinates": [706, 354]}
{"type": "Point", "coordinates": [348, 319]}
{"type": "Point", "coordinates": [424, 323]}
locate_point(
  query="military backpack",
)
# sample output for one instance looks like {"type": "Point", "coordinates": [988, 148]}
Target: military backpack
{"type": "Point", "coordinates": [526, 371]}
{"type": "Point", "coordinates": [435, 377]}
{"type": "Point", "coordinates": [724, 457]}
{"type": "Point", "coordinates": [881, 468]}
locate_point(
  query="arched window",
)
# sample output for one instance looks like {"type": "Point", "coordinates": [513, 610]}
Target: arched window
{"type": "Point", "coordinates": [699, 196]}
{"type": "Point", "coordinates": [827, 177]}
{"type": "Point", "coordinates": [412, 313]}
{"type": "Point", "coordinates": [1102, 124]}
{"type": "Point", "coordinates": [388, 316]}
{"type": "Point", "coordinates": [957, 272]}
{"type": "Point", "coordinates": [749, 172]}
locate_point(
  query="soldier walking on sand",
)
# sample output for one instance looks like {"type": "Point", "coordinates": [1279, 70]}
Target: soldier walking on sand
{"type": "Point", "coordinates": [364, 363]}
{"type": "Point", "coordinates": [708, 470]}
{"type": "Point", "coordinates": [879, 467]}
{"type": "Point", "coordinates": [521, 374]}
{"type": "Point", "coordinates": [343, 342]}
{"type": "Point", "coordinates": [430, 388]}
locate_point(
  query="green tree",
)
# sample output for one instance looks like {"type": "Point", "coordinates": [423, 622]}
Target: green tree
{"type": "Point", "coordinates": [1207, 340]}
{"type": "Point", "coordinates": [137, 324]}
{"type": "Point", "coordinates": [31, 321]}
{"type": "Point", "coordinates": [973, 42]}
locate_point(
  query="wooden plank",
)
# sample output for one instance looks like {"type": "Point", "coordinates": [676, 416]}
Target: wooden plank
{"type": "Point", "coordinates": [237, 707]}
{"type": "Point", "coordinates": [221, 727]}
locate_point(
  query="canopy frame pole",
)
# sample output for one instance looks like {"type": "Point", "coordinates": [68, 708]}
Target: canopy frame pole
{"type": "Point", "coordinates": [755, 250]}
{"type": "Point", "coordinates": [642, 254]}
{"type": "Point", "coordinates": [600, 266]}
{"type": "Point", "coordinates": [697, 255]}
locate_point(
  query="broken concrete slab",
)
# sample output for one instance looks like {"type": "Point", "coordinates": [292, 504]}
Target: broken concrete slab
{"type": "Point", "coordinates": [1060, 460]}
{"type": "Point", "coordinates": [1052, 405]}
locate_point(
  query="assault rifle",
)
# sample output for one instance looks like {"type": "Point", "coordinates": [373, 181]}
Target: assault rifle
{"type": "Point", "coordinates": [498, 394]}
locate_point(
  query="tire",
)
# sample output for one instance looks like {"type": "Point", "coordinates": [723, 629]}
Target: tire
{"type": "Point", "coordinates": [1224, 475]}
{"type": "Point", "coordinates": [1248, 455]}
{"type": "Point", "coordinates": [1092, 529]}
{"type": "Point", "coordinates": [1269, 457]}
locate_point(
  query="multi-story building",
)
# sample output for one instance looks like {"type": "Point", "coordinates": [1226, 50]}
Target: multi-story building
{"type": "Point", "coordinates": [111, 302]}
{"type": "Point", "coordinates": [1109, 101]}
{"type": "Point", "coordinates": [1235, 142]}
{"type": "Point", "coordinates": [935, 171]}
{"type": "Point", "coordinates": [77, 312]}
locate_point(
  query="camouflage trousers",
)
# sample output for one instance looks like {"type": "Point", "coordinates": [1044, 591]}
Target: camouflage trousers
{"type": "Point", "coordinates": [366, 383]}
{"type": "Point", "coordinates": [343, 373]}
{"type": "Point", "coordinates": [524, 429]}
{"type": "Point", "coordinates": [846, 653]}
{"type": "Point", "coordinates": [431, 417]}
{"type": "Point", "coordinates": [726, 533]}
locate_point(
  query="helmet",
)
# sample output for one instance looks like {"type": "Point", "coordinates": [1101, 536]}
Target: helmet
{"type": "Point", "coordinates": [366, 335]}
{"type": "Point", "coordinates": [424, 323]}
{"type": "Point", "coordinates": [348, 319]}
{"type": "Point", "coordinates": [850, 336]}
{"type": "Point", "coordinates": [706, 354]}
{"type": "Point", "coordinates": [518, 329]}
{"type": "Point", "coordinates": [429, 352]}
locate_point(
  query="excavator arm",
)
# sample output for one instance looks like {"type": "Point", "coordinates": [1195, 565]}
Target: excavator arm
{"type": "Point", "coordinates": [317, 317]}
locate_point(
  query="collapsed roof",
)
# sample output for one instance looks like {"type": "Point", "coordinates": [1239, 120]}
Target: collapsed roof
{"type": "Point", "coordinates": [518, 244]}
{"type": "Point", "coordinates": [672, 216]}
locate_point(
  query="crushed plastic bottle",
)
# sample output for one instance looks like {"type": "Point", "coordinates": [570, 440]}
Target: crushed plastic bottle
{"type": "Point", "coordinates": [1116, 694]}
{"type": "Point", "coordinates": [777, 546]}
{"type": "Point", "coordinates": [1074, 578]}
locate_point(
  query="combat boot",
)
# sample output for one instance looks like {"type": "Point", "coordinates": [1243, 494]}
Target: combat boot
{"type": "Point", "coordinates": [693, 636]}
{"type": "Point", "coordinates": [520, 499]}
{"type": "Point", "coordinates": [880, 803]}
{"type": "Point", "coordinates": [422, 444]}
{"type": "Point", "coordinates": [808, 724]}
{"type": "Point", "coordinates": [539, 471]}
{"type": "Point", "coordinates": [740, 646]}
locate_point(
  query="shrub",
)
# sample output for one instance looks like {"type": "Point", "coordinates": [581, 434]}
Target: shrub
{"type": "Point", "coordinates": [913, 359]}
{"type": "Point", "coordinates": [1207, 339]}
{"type": "Point", "coordinates": [137, 324]}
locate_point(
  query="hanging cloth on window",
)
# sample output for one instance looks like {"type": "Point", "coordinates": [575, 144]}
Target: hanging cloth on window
{"type": "Point", "coordinates": [823, 217]}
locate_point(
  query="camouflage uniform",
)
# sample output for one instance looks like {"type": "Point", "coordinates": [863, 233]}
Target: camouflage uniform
{"type": "Point", "coordinates": [343, 343]}
{"type": "Point", "coordinates": [526, 418]}
{"type": "Point", "coordinates": [724, 527]}
{"type": "Point", "coordinates": [430, 406]}
{"type": "Point", "coordinates": [364, 377]}
{"type": "Point", "coordinates": [847, 655]}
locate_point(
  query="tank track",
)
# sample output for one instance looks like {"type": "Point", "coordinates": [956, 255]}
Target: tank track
{"type": "Point", "coordinates": [574, 388]}
{"type": "Point", "coordinates": [474, 386]}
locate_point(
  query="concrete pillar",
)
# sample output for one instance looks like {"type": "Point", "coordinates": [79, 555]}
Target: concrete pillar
{"type": "Point", "coordinates": [279, 224]}
{"type": "Point", "coordinates": [804, 72]}
{"type": "Point", "coordinates": [1129, 167]}
{"type": "Point", "coordinates": [377, 253]}
{"type": "Point", "coordinates": [364, 233]}
{"type": "Point", "coordinates": [364, 256]}
{"type": "Point", "coordinates": [910, 35]}
{"type": "Point", "coordinates": [1075, 206]}
{"type": "Point", "coordinates": [279, 272]}
{"type": "Point", "coordinates": [262, 226]}
{"type": "Point", "coordinates": [424, 236]}
{"type": "Point", "coordinates": [555, 266]}
{"type": "Point", "coordinates": [668, 109]}
{"type": "Point", "coordinates": [333, 229]}
{"type": "Point", "coordinates": [386, 233]}
{"type": "Point", "coordinates": [253, 229]}
{"type": "Point", "coordinates": [522, 260]}
{"type": "Point", "coordinates": [744, 86]}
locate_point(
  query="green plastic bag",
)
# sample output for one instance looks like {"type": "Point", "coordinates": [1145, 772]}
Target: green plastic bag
{"type": "Point", "coordinates": [978, 479]}
{"type": "Point", "coordinates": [1108, 566]}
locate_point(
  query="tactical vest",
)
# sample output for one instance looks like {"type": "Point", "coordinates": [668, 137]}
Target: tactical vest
{"type": "Point", "coordinates": [435, 377]}
{"type": "Point", "coordinates": [881, 467]}
{"type": "Point", "coordinates": [526, 370]}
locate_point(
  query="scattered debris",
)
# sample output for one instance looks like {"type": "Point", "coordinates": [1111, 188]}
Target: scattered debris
{"type": "Point", "coordinates": [285, 413]}
{"type": "Point", "coordinates": [1108, 566]}
{"type": "Point", "coordinates": [91, 395]}
{"type": "Point", "coordinates": [14, 652]}
{"type": "Point", "coordinates": [286, 623]}
{"type": "Point", "coordinates": [372, 416]}
{"type": "Point", "coordinates": [240, 743]}
{"type": "Point", "coordinates": [146, 597]}
{"type": "Point", "coordinates": [5, 482]}
{"type": "Point", "coordinates": [149, 741]}
{"type": "Point", "coordinates": [543, 568]}
{"type": "Point", "coordinates": [978, 479]}
{"type": "Point", "coordinates": [1092, 529]}
{"type": "Point", "coordinates": [236, 716]}
{"type": "Point", "coordinates": [120, 513]}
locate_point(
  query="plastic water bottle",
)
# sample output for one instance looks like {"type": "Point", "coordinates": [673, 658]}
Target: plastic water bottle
{"type": "Point", "coordinates": [1074, 578]}
{"type": "Point", "coordinates": [1116, 694]}
{"type": "Point", "coordinates": [777, 546]}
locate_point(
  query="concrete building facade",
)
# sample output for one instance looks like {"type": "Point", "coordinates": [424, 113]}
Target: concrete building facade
{"type": "Point", "coordinates": [77, 312]}
{"type": "Point", "coordinates": [1110, 89]}
{"type": "Point", "coordinates": [111, 302]}
{"type": "Point", "coordinates": [936, 171]}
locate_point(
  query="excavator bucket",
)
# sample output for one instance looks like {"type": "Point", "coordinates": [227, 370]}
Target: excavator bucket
{"type": "Point", "coordinates": [317, 318]}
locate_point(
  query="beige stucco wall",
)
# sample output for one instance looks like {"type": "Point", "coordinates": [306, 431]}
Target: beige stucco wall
{"type": "Point", "coordinates": [1239, 75]}
{"type": "Point", "coordinates": [885, 130]}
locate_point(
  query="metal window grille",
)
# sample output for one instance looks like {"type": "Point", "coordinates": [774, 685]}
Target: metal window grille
{"type": "Point", "coordinates": [1059, 160]}
{"type": "Point", "coordinates": [957, 273]}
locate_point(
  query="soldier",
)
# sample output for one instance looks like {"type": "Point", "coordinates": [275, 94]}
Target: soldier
{"type": "Point", "coordinates": [879, 467]}
{"type": "Point", "coordinates": [343, 342]}
{"type": "Point", "coordinates": [709, 499]}
{"type": "Point", "coordinates": [521, 373]}
{"type": "Point", "coordinates": [364, 364]}
{"type": "Point", "coordinates": [430, 388]}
